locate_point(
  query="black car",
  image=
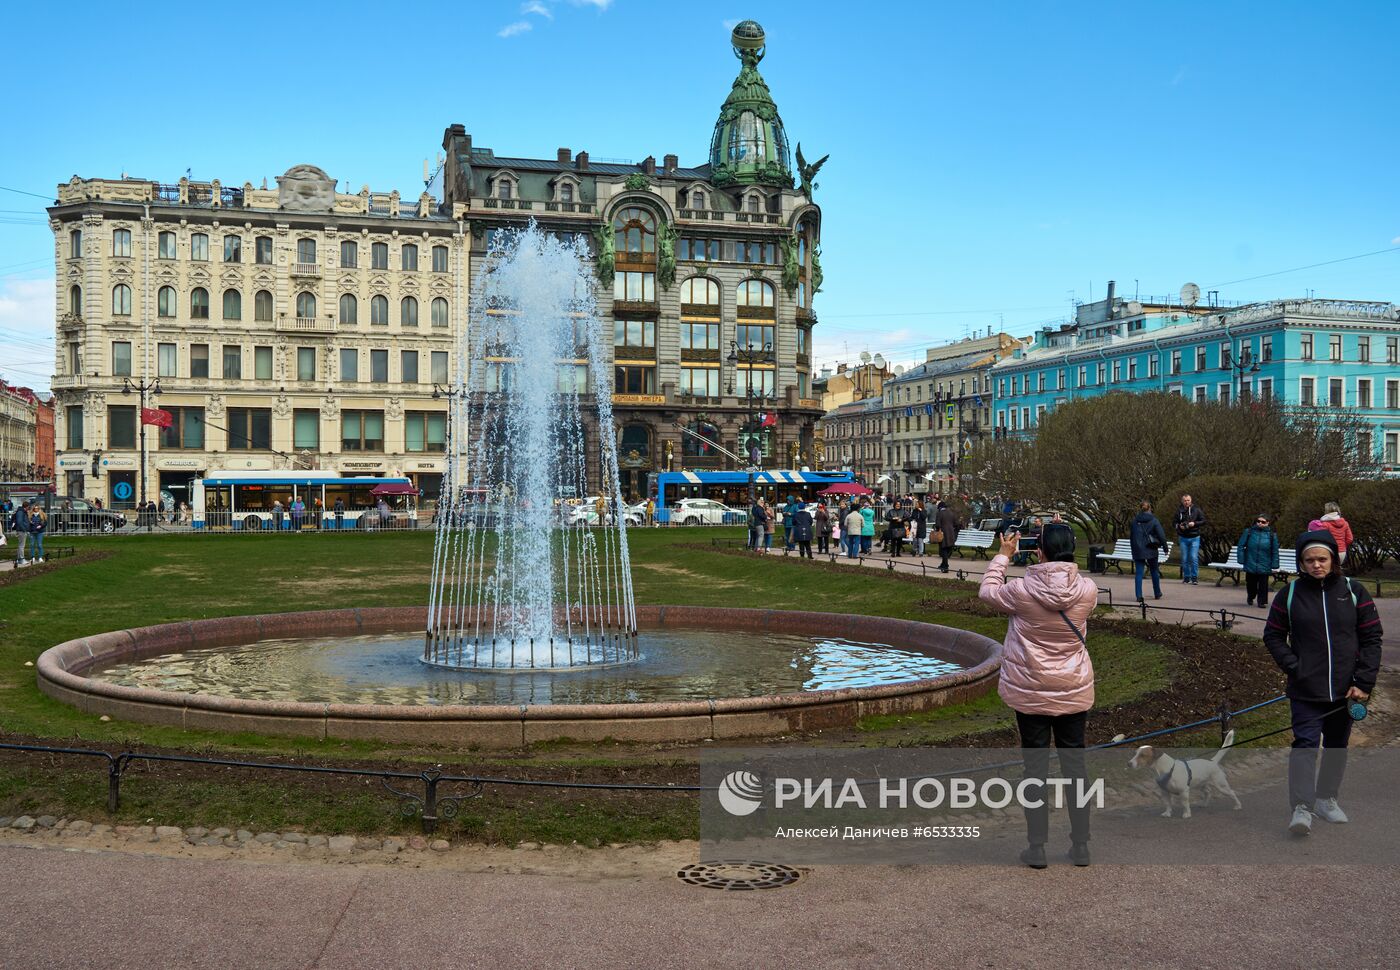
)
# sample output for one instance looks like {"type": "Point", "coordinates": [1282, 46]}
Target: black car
{"type": "Point", "coordinates": [80, 515]}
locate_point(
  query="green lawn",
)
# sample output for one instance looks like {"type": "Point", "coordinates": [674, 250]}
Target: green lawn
{"type": "Point", "coordinates": [162, 578]}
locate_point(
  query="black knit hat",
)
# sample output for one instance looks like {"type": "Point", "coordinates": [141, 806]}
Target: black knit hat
{"type": "Point", "coordinates": [1057, 543]}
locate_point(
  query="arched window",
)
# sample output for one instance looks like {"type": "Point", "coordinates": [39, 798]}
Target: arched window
{"type": "Point", "coordinates": [635, 438]}
{"type": "Point", "coordinates": [349, 254]}
{"type": "Point", "coordinates": [306, 250]}
{"type": "Point", "coordinates": [121, 297]}
{"type": "Point", "coordinates": [754, 202]}
{"type": "Point", "coordinates": [635, 230]}
{"type": "Point", "coordinates": [349, 309]}
{"type": "Point", "coordinates": [704, 445]}
{"type": "Point", "coordinates": [75, 244]}
{"type": "Point", "coordinates": [306, 306]}
{"type": "Point", "coordinates": [262, 306]}
{"type": "Point", "coordinates": [75, 300]}
{"type": "Point", "coordinates": [408, 312]}
{"type": "Point", "coordinates": [199, 303]}
{"type": "Point", "coordinates": [409, 256]}
{"type": "Point", "coordinates": [755, 293]}
{"type": "Point", "coordinates": [439, 312]}
{"type": "Point", "coordinates": [166, 304]}
{"type": "Point", "coordinates": [701, 291]}
{"type": "Point", "coordinates": [379, 311]}
{"type": "Point", "coordinates": [199, 246]}
{"type": "Point", "coordinates": [748, 140]}
{"type": "Point", "coordinates": [165, 245]}
{"type": "Point", "coordinates": [233, 305]}
{"type": "Point", "coordinates": [439, 259]}
{"type": "Point", "coordinates": [697, 199]}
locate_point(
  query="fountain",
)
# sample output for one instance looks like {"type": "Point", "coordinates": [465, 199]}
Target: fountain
{"type": "Point", "coordinates": [511, 589]}
{"type": "Point", "coordinates": [532, 632]}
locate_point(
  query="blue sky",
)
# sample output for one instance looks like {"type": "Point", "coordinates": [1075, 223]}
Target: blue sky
{"type": "Point", "coordinates": [990, 163]}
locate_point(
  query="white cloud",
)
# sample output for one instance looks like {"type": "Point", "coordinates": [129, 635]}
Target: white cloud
{"type": "Point", "coordinates": [1395, 241]}
{"type": "Point", "coordinates": [537, 8]}
{"type": "Point", "coordinates": [519, 27]}
{"type": "Point", "coordinates": [600, 4]}
{"type": "Point", "coordinates": [26, 331]}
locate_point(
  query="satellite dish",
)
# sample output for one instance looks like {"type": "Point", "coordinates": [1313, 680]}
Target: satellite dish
{"type": "Point", "coordinates": [899, 369]}
{"type": "Point", "coordinates": [879, 360]}
{"type": "Point", "coordinates": [1134, 308]}
{"type": "Point", "coordinates": [1190, 294]}
{"type": "Point", "coordinates": [865, 356]}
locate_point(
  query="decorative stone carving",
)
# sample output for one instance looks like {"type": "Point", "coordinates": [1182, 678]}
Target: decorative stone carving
{"type": "Point", "coordinates": [305, 188]}
{"type": "Point", "coordinates": [282, 406]}
{"type": "Point", "coordinates": [330, 407]}
{"type": "Point", "coordinates": [215, 406]}
{"type": "Point", "coordinates": [393, 408]}
{"type": "Point", "coordinates": [95, 404]}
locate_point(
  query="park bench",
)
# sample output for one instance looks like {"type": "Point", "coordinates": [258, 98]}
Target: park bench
{"type": "Point", "coordinates": [978, 540]}
{"type": "Point", "coordinates": [1231, 568]}
{"type": "Point", "coordinates": [1123, 552]}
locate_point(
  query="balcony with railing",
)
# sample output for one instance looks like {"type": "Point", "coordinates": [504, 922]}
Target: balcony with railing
{"type": "Point", "coordinates": [306, 269]}
{"type": "Point", "coordinates": [306, 324]}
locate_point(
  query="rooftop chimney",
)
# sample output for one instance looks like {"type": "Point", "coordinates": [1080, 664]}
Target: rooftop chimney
{"type": "Point", "coordinates": [581, 161]}
{"type": "Point", "coordinates": [671, 163]}
{"type": "Point", "coordinates": [649, 165]}
{"type": "Point", "coordinates": [565, 156]}
{"type": "Point", "coordinates": [1111, 285]}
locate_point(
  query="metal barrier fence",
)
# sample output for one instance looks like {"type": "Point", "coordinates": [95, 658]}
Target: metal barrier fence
{"type": "Point", "coordinates": [433, 804]}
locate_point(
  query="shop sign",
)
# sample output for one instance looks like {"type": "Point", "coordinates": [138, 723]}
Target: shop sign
{"type": "Point", "coordinates": [428, 466]}
{"type": "Point", "coordinates": [118, 462]}
{"type": "Point", "coordinates": [73, 461]}
{"type": "Point", "coordinates": [361, 465]}
{"type": "Point", "coordinates": [172, 464]}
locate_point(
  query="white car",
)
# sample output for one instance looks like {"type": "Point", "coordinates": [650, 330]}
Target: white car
{"type": "Point", "coordinates": [586, 513]}
{"type": "Point", "coordinates": [704, 511]}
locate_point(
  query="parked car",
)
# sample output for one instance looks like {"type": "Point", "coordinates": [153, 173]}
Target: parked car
{"type": "Point", "coordinates": [704, 511]}
{"type": "Point", "coordinates": [586, 513]}
{"type": "Point", "coordinates": [82, 516]}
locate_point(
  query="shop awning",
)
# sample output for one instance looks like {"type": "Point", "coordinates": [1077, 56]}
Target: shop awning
{"type": "Point", "coordinates": [394, 488]}
{"type": "Point", "coordinates": [846, 488]}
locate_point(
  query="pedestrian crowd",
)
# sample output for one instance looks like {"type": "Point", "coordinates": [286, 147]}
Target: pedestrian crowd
{"type": "Point", "coordinates": [852, 526]}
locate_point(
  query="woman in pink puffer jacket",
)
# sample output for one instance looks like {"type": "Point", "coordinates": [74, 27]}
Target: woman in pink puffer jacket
{"type": "Point", "coordinates": [1047, 677]}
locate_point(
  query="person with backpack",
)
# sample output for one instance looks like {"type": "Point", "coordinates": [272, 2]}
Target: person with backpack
{"type": "Point", "coordinates": [1257, 554]}
{"type": "Point", "coordinates": [1324, 633]}
{"type": "Point", "coordinates": [1147, 538]}
{"type": "Point", "coordinates": [18, 525]}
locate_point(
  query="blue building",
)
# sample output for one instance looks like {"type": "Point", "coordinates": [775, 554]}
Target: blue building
{"type": "Point", "coordinates": [1327, 353]}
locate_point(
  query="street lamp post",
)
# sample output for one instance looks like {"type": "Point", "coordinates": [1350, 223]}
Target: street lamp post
{"type": "Point", "coordinates": [1241, 363]}
{"type": "Point", "coordinates": [142, 386]}
{"type": "Point", "coordinates": [749, 355]}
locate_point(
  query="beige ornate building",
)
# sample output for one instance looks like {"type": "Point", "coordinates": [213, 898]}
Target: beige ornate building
{"type": "Point", "coordinates": [285, 327]}
{"type": "Point", "coordinates": [301, 327]}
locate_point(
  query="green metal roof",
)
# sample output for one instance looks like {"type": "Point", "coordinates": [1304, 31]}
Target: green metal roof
{"type": "Point", "coordinates": [749, 144]}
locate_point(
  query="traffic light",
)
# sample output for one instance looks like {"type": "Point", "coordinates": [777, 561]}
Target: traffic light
{"type": "Point", "coordinates": [97, 464]}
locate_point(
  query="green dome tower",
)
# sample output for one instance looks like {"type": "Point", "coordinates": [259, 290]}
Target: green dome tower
{"type": "Point", "coordinates": [749, 145]}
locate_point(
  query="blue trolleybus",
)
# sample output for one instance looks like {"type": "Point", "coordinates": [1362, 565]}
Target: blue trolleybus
{"type": "Point", "coordinates": [246, 500]}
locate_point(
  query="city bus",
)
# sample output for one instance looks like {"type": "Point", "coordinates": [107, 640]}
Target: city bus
{"type": "Point", "coordinates": [245, 501]}
{"type": "Point", "coordinates": [732, 488]}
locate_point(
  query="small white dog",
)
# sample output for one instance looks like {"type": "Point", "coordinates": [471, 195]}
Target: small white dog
{"type": "Point", "coordinates": [1177, 778]}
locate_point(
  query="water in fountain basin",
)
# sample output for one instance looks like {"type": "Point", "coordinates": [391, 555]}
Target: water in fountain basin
{"type": "Point", "coordinates": [515, 583]}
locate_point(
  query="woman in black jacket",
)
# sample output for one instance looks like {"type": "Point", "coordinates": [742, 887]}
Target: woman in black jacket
{"type": "Point", "coordinates": [1148, 539]}
{"type": "Point", "coordinates": [1325, 635]}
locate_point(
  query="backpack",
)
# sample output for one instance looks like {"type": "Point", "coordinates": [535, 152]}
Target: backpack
{"type": "Point", "coordinates": [1350, 589]}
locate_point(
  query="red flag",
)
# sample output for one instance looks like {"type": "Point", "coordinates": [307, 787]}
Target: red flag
{"type": "Point", "coordinates": [155, 416]}
{"type": "Point", "coordinates": [769, 420]}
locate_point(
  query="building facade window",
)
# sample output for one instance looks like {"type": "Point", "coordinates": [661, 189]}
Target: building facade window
{"type": "Point", "coordinates": [121, 358]}
{"type": "Point", "coordinates": [379, 311]}
{"type": "Point", "coordinates": [75, 300]}
{"type": "Point", "coordinates": [1363, 393]}
{"type": "Point", "coordinates": [1363, 349]}
{"type": "Point", "coordinates": [408, 257]}
{"type": "Point", "coordinates": [165, 245]}
{"type": "Point", "coordinates": [379, 366]}
{"type": "Point", "coordinates": [73, 425]}
{"type": "Point", "coordinates": [438, 363]}
{"type": "Point", "coordinates": [1336, 396]}
{"type": "Point", "coordinates": [379, 255]}
{"type": "Point", "coordinates": [699, 336]}
{"type": "Point", "coordinates": [199, 360]}
{"type": "Point", "coordinates": [306, 429]}
{"type": "Point", "coordinates": [199, 303]}
{"type": "Point", "coordinates": [199, 247]}
{"type": "Point", "coordinates": [306, 363]}
{"type": "Point", "coordinates": [349, 254]}
{"type": "Point", "coordinates": [349, 309]}
{"type": "Point", "coordinates": [1392, 350]}
{"type": "Point", "coordinates": [1392, 395]}
{"type": "Point", "coordinates": [166, 302]}
{"type": "Point", "coordinates": [1305, 346]}
{"type": "Point", "coordinates": [166, 360]}
{"type": "Point", "coordinates": [262, 250]}
{"type": "Point", "coordinates": [1266, 347]}
{"type": "Point", "coordinates": [233, 362]}
{"type": "Point", "coordinates": [755, 293]}
{"type": "Point", "coordinates": [439, 259]}
{"type": "Point", "coordinates": [408, 366]}
{"type": "Point", "coordinates": [1306, 395]}
{"type": "Point", "coordinates": [408, 312]}
{"type": "Point", "coordinates": [634, 287]}
{"type": "Point", "coordinates": [634, 335]}
{"type": "Point", "coordinates": [186, 428]}
{"type": "Point", "coordinates": [635, 231]}
{"type": "Point", "coordinates": [249, 429]}
{"type": "Point", "coordinates": [1200, 359]}
{"type": "Point", "coordinates": [349, 365]}
{"type": "Point", "coordinates": [262, 306]}
{"type": "Point", "coordinates": [425, 431]}
{"type": "Point", "coordinates": [75, 244]}
{"type": "Point", "coordinates": [634, 379]}
{"type": "Point", "coordinates": [121, 242]}
{"type": "Point", "coordinates": [697, 249]}
{"type": "Point", "coordinates": [700, 381]}
{"type": "Point", "coordinates": [121, 300]}
{"type": "Point", "coordinates": [362, 431]}
{"type": "Point", "coordinates": [262, 363]}
{"type": "Point", "coordinates": [439, 312]}
{"type": "Point", "coordinates": [121, 426]}
{"type": "Point", "coordinates": [233, 249]}
{"type": "Point", "coordinates": [306, 251]}
{"type": "Point", "coordinates": [1334, 347]}
{"type": "Point", "coordinates": [233, 305]}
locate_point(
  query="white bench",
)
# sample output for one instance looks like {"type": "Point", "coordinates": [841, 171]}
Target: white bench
{"type": "Point", "coordinates": [978, 540]}
{"type": "Point", "coordinates": [1123, 552]}
{"type": "Point", "coordinates": [1231, 568]}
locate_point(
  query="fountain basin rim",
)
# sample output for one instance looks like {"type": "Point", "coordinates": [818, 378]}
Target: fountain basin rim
{"type": "Point", "coordinates": [60, 673]}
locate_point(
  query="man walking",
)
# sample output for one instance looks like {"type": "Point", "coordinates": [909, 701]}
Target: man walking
{"type": "Point", "coordinates": [1188, 522]}
{"type": "Point", "coordinates": [19, 528]}
{"type": "Point", "coordinates": [852, 529]}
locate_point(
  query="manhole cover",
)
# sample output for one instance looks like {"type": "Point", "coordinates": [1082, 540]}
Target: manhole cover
{"type": "Point", "coordinates": [739, 875]}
